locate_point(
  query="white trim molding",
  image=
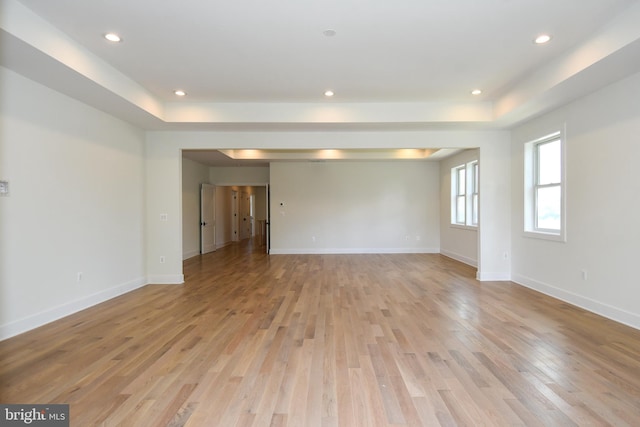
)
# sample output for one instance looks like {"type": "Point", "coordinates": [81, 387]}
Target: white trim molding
{"type": "Point", "coordinates": [327, 251]}
{"type": "Point", "coordinates": [165, 279]}
{"type": "Point", "coordinates": [47, 316]}
{"type": "Point", "coordinates": [605, 310]}
{"type": "Point", "coordinates": [484, 276]}
{"type": "Point", "coordinates": [190, 254]}
{"type": "Point", "coordinates": [463, 259]}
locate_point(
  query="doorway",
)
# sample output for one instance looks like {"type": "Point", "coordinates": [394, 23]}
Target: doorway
{"type": "Point", "coordinates": [242, 213]}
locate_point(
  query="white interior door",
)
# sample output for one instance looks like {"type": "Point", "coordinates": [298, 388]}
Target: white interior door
{"type": "Point", "coordinates": [207, 218]}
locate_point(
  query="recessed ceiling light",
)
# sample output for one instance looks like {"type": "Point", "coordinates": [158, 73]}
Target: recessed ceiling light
{"type": "Point", "coordinates": [476, 92]}
{"type": "Point", "coordinates": [329, 32]}
{"type": "Point", "coordinates": [542, 39]}
{"type": "Point", "coordinates": [112, 37]}
{"type": "Point", "coordinates": [328, 93]}
{"type": "Point", "coordinates": [179, 92]}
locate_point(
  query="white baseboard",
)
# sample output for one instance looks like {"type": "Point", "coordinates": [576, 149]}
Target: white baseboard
{"type": "Point", "coordinates": [492, 276]}
{"type": "Point", "coordinates": [165, 279]}
{"type": "Point", "coordinates": [222, 245]}
{"type": "Point", "coordinates": [605, 310]}
{"type": "Point", "coordinates": [463, 259]}
{"type": "Point", "coordinates": [36, 320]}
{"type": "Point", "coordinates": [327, 251]}
{"type": "Point", "coordinates": [190, 254]}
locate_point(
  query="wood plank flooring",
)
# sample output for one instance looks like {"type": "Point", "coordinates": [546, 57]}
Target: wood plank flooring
{"type": "Point", "coordinates": [329, 340]}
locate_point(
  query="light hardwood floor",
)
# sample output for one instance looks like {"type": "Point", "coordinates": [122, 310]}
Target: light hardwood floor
{"type": "Point", "coordinates": [328, 340]}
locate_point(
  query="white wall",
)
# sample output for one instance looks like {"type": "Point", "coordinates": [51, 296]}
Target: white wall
{"type": "Point", "coordinates": [76, 205]}
{"type": "Point", "coordinates": [239, 175]}
{"type": "Point", "coordinates": [261, 202]}
{"type": "Point", "coordinates": [602, 187]}
{"type": "Point", "coordinates": [224, 226]}
{"type": "Point", "coordinates": [193, 174]}
{"type": "Point", "coordinates": [163, 197]}
{"type": "Point", "coordinates": [494, 231]}
{"type": "Point", "coordinates": [460, 243]}
{"type": "Point", "coordinates": [354, 207]}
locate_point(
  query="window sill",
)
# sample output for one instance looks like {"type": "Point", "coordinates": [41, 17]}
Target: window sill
{"type": "Point", "coordinates": [546, 236]}
{"type": "Point", "coordinates": [464, 227]}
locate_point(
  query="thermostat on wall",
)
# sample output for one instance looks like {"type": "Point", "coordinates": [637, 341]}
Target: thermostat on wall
{"type": "Point", "coordinates": [4, 188]}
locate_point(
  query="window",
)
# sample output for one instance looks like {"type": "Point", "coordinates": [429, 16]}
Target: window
{"type": "Point", "coordinates": [464, 194]}
{"type": "Point", "coordinates": [544, 187]}
{"type": "Point", "coordinates": [474, 193]}
{"type": "Point", "coordinates": [459, 211]}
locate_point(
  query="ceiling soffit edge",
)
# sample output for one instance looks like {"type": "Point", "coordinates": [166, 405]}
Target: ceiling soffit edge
{"type": "Point", "coordinates": [24, 31]}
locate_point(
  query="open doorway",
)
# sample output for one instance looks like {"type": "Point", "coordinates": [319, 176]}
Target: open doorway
{"type": "Point", "coordinates": [225, 176]}
{"type": "Point", "coordinates": [241, 214]}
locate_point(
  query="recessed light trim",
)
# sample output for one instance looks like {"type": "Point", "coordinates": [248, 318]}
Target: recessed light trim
{"type": "Point", "coordinates": [179, 92]}
{"type": "Point", "coordinates": [328, 93]}
{"type": "Point", "coordinates": [113, 37]}
{"type": "Point", "coordinates": [542, 39]}
{"type": "Point", "coordinates": [329, 32]}
{"type": "Point", "coordinates": [476, 92]}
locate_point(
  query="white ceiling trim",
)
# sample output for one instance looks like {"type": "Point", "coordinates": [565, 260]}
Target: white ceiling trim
{"type": "Point", "coordinates": [20, 22]}
{"type": "Point", "coordinates": [602, 51]}
{"type": "Point", "coordinates": [409, 112]}
{"type": "Point", "coordinates": [609, 54]}
{"type": "Point", "coordinates": [330, 154]}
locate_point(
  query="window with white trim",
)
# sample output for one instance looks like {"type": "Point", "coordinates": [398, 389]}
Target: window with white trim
{"type": "Point", "coordinates": [544, 187]}
{"type": "Point", "coordinates": [458, 183]}
{"type": "Point", "coordinates": [464, 194]}
{"type": "Point", "coordinates": [475, 169]}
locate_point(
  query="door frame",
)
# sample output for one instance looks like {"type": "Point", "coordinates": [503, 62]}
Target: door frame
{"type": "Point", "coordinates": [267, 187]}
{"type": "Point", "coordinates": [211, 247]}
{"type": "Point", "coordinates": [235, 218]}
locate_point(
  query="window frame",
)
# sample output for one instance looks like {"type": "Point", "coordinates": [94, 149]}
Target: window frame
{"type": "Point", "coordinates": [469, 195]}
{"type": "Point", "coordinates": [458, 194]}
{"type": "Point", "coordinates": [532, 185]}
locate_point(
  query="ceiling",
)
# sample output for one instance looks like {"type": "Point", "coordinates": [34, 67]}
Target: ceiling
{"type": "Point", "coordinates": [252, 65]}
{"type": "Point", "coordinates": [262, 157]}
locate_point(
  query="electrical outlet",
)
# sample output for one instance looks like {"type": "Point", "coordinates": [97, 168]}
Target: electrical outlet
{"type": "Point", "coordinates": [585, 275]}
{"type": "Point", "coordinates": [79, 277]}
{"type": "Point", "coordinates": [162, 259]}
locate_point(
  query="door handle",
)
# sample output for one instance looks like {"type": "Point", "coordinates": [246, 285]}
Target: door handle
{"type": "Point", "coordinates": [203, 224]}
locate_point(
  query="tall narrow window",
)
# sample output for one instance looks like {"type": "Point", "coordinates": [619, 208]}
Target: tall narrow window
{"type": "Point", "coordinates": [464, 194]}
{"type": "Point", "coordinates": [548, 187]}
{"type": "Point", "coordinates": [544, 186]}
{"type": "Point", "coordinates": [460, 211]}
{"type": "Point", "coordinates": [474, 192]}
